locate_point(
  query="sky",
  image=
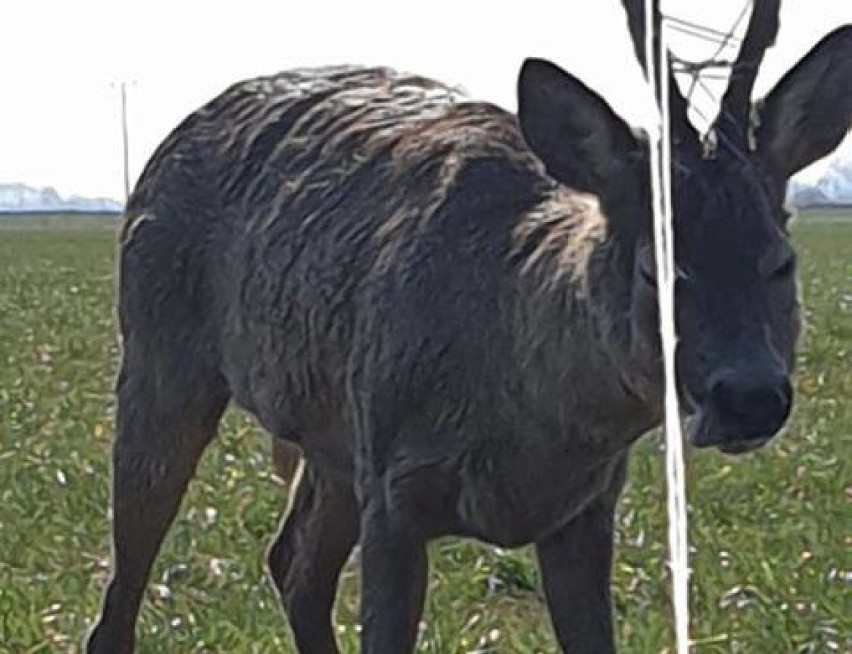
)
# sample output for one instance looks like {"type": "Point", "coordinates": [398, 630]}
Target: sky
{"type": "Point", "coordinates": [61, 60]}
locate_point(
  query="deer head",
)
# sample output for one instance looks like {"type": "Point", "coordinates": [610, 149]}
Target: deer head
{"type": "Point", "coordinates": [736, 294]}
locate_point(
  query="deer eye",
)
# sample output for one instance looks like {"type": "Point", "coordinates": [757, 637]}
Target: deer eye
{"type": "Point", "coordinates": [785, 268]}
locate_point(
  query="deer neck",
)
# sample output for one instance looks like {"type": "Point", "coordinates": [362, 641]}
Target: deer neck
{"type": "Point", "coordinates": [577, 303]}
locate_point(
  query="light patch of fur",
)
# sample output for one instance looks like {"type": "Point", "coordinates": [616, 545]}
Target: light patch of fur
{"type": "Point", "coordinates": [574, 227]}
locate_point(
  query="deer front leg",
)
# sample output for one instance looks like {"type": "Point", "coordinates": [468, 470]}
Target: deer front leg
{"type": "Point", "coordinates": [394, 568]}
{"type": "Point", "coordinates": [575, 563]}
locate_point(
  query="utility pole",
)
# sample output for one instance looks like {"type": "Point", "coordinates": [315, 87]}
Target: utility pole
{"type": "Point", "coordinates": [125, 138]}
{"type": "Point", "coordinates": [124, 141]}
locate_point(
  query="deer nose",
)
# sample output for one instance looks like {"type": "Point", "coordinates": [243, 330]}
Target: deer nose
{"type": "Point", "coordinates": [752, 406]}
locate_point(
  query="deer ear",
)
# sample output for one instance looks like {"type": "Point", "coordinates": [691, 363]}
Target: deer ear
{"type": "Point", "coordinates": [809, 111]}
{"type": "Point", "coordinates": [581, 141]}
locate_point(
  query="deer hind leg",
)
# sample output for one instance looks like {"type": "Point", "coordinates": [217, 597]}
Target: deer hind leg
{"type": "Point", "coordinates": [167, 413]}
{"type": "Point", "coordinates": [305, 561]}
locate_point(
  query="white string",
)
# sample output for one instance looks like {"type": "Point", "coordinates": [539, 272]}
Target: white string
{"type": "Point", "coordinates": [664, 255]}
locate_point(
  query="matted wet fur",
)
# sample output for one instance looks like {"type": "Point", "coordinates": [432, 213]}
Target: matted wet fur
{"type": "Point", "coordinates": [450, 311]}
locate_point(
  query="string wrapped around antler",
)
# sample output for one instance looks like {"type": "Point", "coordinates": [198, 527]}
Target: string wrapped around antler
{"type": "Point", "coordinates": [732, 127]}
{"type": "Point", "coordinates": [733, 124]}
{"type": "Point", "coordinates": [683, 133]}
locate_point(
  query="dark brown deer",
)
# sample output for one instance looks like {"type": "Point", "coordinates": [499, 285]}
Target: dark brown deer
{"type": "Point", "coordinates": [451, 312]}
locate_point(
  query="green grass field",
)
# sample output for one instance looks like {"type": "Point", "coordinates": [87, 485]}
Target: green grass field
{"type": "Point", "coordinates": [770, 531]}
